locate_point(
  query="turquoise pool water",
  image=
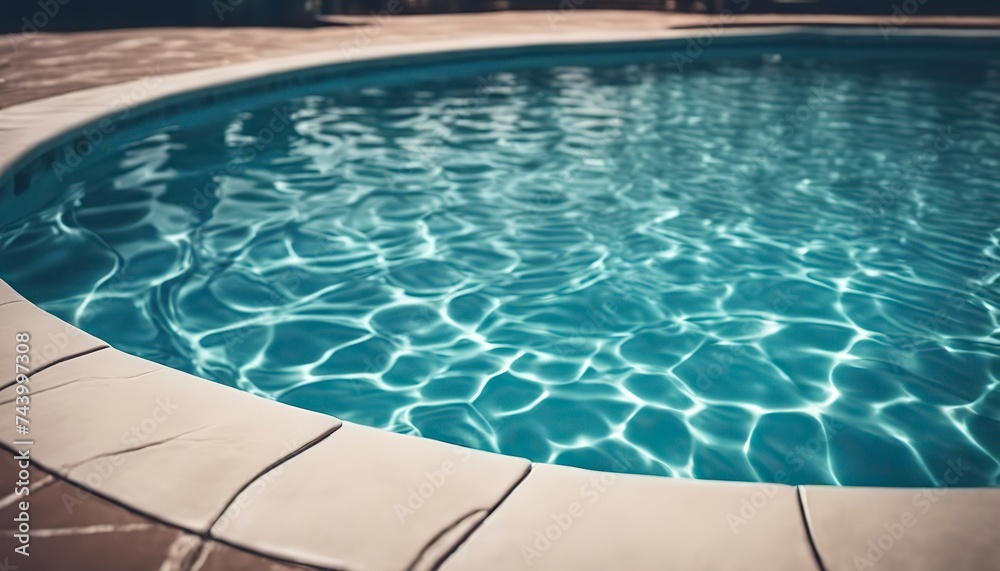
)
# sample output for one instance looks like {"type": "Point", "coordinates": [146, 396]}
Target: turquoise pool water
{"type": "Point", "coordinates": [776, 268]}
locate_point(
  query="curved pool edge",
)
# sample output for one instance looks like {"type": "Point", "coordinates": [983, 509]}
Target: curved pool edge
{"type": "Point", "coordinates": [58, 133]}
{"type": "Point", "coordinates": [224, 466]}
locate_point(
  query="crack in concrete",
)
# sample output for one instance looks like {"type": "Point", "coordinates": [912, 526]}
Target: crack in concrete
{"type": "Point", "coordinates": [157, 521]}
{"type": "Point", "coordinates": [82, 380]}
{"type": "Point", "coordinates": [54, 363]}
{"type": "Point", "coordinates": [151, 444]}
{"type": "Point", "coordinates": [271, 467]}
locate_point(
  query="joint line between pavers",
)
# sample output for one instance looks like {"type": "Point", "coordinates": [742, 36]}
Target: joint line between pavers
{"type": "Point", "coordinates": [474, 528]}
{"type": "Point", "coordinates": [57, 362]}
{"type": "Point", "coordinates": [262, 555]}
{"type": "Point", "coordinates": [204, 535]}
{"type": "Point", "coordinates": [444, 531]}
{"type": "Point", "coordinates": [809, 531]}
{"type": "Point", "coordinates": [269, 468]}
{"type": "Point", "coordinates": [42, 466]}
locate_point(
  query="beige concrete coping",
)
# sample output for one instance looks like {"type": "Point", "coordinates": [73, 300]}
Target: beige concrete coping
{"type": "Point", "coordinates": [387, 501]}
{"type": "Point", "coordinates": [73, 529]}
{"type": "Point", "coordinates": [555, 519]}
{"type": "Point", "coordinates": [51, 340]}
{"type": "Point", "coordinates": [161, 441]}
{"type": "Point", "coordinates": [273, 479]}
{"type": "Point", "coordinates": [7, 294]}
{"type": "Point", "coordinates": [957, 529]}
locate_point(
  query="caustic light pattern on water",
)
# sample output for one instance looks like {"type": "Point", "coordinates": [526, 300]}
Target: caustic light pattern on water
{"type": "Point", "coordinates": [769, 270]}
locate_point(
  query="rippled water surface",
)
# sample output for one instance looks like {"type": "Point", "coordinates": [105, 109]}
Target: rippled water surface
{"type": "Point", "coordinates": [760, 270]}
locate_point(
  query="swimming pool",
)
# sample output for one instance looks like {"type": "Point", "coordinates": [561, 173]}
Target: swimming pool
{"type": "Point", "coordinates": [777, 265]}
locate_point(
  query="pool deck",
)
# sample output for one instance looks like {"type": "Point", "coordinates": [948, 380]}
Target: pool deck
{"type": "Point", "coordinates": [137, 466]}
{"type": "Point", "coordinates": [43, 65]}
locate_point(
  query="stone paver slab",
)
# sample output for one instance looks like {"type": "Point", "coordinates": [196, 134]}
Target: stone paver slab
{"type": "Point", "coordinates": [888, 529]}
{"type": "Point", "coordinates": [49, 339]}
{"type": "Point", "coordinates": [162, 441]}
{"type": "Point", "coordinates": [72, 528]}
{"type": "Point", "coordinates": [566, 518]}
{"type": "Point", "coordinates": [368, 499]}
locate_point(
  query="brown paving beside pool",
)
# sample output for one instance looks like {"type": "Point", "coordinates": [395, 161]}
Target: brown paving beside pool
{"type": "Point", "coordinates": [70, 524]}
{"type": "Point", "coordinates": [43, 65]}
{"type": "Point", "coordinates": [157, 439]}
{"type": "Point", "coordinates": [170, 465]}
